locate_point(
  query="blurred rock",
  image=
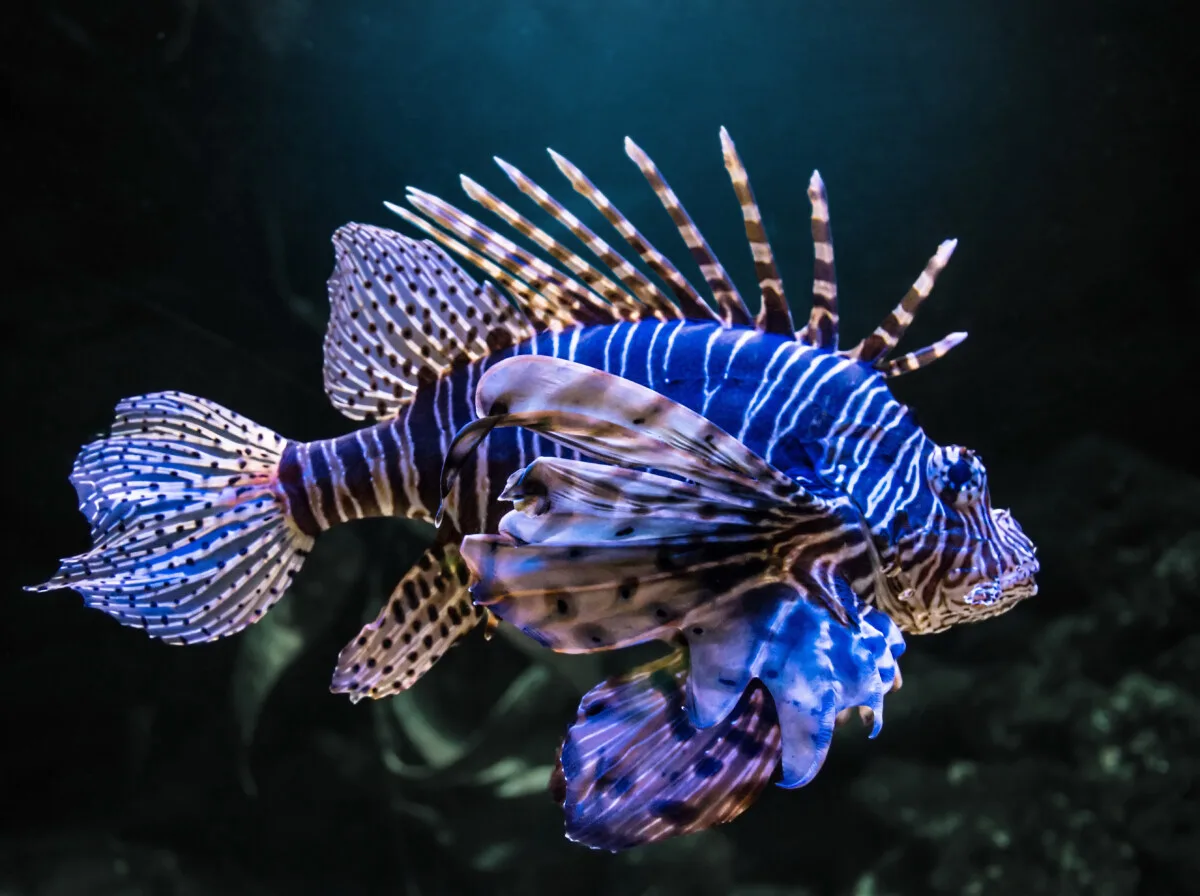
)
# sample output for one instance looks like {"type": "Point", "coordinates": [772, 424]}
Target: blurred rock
{"type": "Point", "coordinates": [74, 865]}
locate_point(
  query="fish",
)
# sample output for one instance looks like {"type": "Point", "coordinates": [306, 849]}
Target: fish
{"type": "Point", "coordinates": [201, 518]}
{"type": "Point", "coordinates": [758, 578]}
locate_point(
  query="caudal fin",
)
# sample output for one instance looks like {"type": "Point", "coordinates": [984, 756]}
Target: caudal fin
{"type": "Point", "coordinates": [190, 531]}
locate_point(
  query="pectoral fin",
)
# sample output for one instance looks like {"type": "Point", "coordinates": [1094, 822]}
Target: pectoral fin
{"type": "Point", "coordinates": [633, 769]}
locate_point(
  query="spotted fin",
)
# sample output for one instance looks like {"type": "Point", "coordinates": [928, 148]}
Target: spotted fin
{"type": "Point", "coordinates": [597, 557]}
{"type": "Point", "coordinates": [402, 313]}
{"type": "Point", "coordinates": [818, 649]}
{"type": "Point", "coordinates": [426, 615]}
{"type": "Point", "coordinates": [633, 769]}
{"type": "Point", "coordinates": [191, 539]}
{"type": "Point", "coordinates": [761, 586]}
{"type": "Point", "coordinates": [615, 420]}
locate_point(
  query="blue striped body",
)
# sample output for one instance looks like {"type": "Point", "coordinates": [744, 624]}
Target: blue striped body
{"type": "Point", "coordinates": [821, 417]}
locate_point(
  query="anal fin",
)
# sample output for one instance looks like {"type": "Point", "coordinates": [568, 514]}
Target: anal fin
{"type": "Point", "coordinates": [426, 615]}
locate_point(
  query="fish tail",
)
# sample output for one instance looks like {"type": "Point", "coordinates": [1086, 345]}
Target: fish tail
{"type": "Point", "coordinates": [192, 539]}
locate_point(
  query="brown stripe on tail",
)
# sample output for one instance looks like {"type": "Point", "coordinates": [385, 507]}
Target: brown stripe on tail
{"type": "Point", "coordinates": [367, 473]}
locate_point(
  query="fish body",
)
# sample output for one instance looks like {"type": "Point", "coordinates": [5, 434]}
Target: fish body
{"type": "Point", "coordinates": [784, 399]}
{"type": "Point", "coordinates": [849, 524]}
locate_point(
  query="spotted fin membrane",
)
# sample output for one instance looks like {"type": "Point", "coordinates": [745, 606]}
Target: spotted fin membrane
{"type": "Point", "coordinates": [633, 769]}
{"type": "Point", "coordinates": [191, 540]}
{"type": "Point", "coordinates": [713, 545]}
{"type": "Point", "coordinates": [427, 613]}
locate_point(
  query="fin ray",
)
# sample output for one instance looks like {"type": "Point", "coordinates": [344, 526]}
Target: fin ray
{"type": "Point", "coordinates": [541, 313]}
{"type": "Point", "coordinates": [921, 357]}
{"type": "Point", "coordinates": [626, 306]}
{"type": "Point", "coordinates": [733, 308]}
{"type": "Point", "coordinates": [774, 315]}
{"type": "Point", "coordinates": [875, 348]}
{"type": "Point", "coordinates": [573, 299]}
{"type": "Point", "coordinates": [691, 306]}
{"type": "Point", "coordinates": [655, 301]}
{"type": "Point", "coordinates": [822, 330]}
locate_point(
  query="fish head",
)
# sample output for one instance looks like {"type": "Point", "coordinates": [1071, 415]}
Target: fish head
{"type": "Point", "coordinates": [965, 560]}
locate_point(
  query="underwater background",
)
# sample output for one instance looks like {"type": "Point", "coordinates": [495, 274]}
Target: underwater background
{"type": "Point", "coordinates": [175, 172]}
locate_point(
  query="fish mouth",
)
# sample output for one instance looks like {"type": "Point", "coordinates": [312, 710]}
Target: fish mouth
{"type": "Point", "coordinates": [1017, 583]}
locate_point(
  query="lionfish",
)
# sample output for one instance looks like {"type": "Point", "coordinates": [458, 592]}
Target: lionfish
{"type": "Point", "coordinates": [760, 497]}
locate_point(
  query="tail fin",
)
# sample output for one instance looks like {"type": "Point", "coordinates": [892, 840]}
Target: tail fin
{"type": "Point", "coordinates": [190, 531]}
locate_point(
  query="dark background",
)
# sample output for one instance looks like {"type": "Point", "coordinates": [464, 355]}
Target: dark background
{"type": "Point", "coordinates": [174, 172]}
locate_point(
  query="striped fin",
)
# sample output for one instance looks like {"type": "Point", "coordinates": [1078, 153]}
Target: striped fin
{"type": "Point", "coordinates": [542, 313]}
{"type": "Point", "coordinates": [875, 348]}
{"type": "Point", "coordinates": [615, 420]}
{"type": "Point", "coordinates": [773, 316]}
{"type": "Point", "coordinates": [692, 306]}
{"type": "Point", "coordinates": [596, 558]}
{"type": "Point", "coordinates": [744, 615]}
{"type": "Point", "coordinates": [655, 301]}
{"type": "Point", "coordinates": [191, 536]}
{"type": "Point", "coordinates": [922, 357]}
{"type": "Point", "coordinates": [426, 615]}
{"type": "Point", "coordinates": [604, 580]}
{"type": "Point", "coordinates": [822, 329]}
{"type": "Point", "coordinates": [625, 306]}
{"type": "Point", "coordinates": [593, 558]}
{"type": "Point", "coordinates": [576, 301]}
{"type": "Point", "coordinates": [729, 300]}
{"type": "Point", "coordinates": [401, 312]}
{"type": "Point", "coordinates": [633, 769]}
{"type": "Point", "coordinates": [578, 487]}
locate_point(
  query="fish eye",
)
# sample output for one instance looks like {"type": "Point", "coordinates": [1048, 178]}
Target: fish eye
{"type": "Point", "coordinates": [957, 475]}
